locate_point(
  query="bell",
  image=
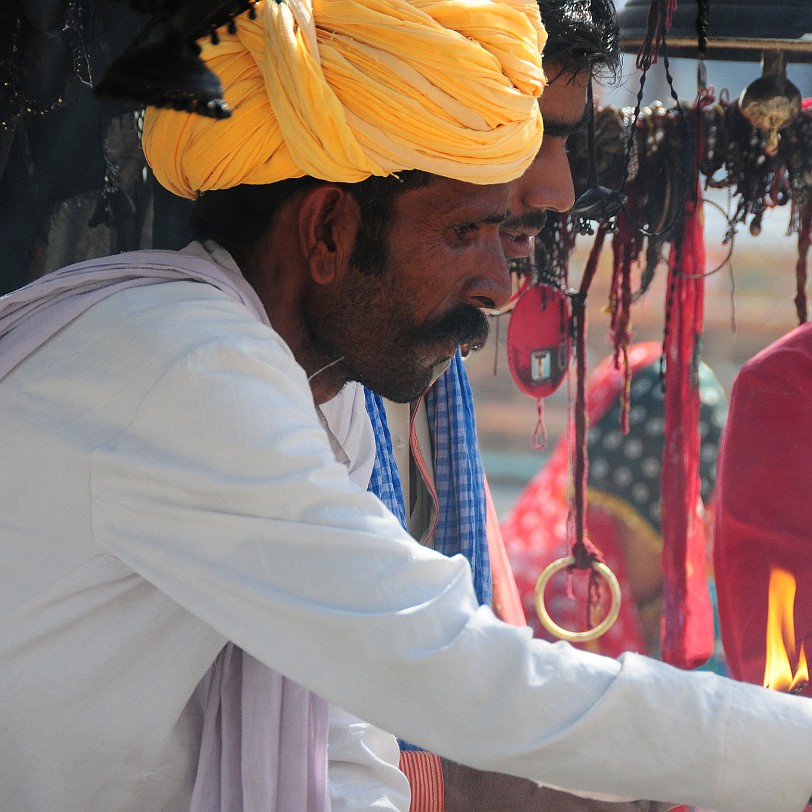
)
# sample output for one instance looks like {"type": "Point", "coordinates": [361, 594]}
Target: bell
{"type": "Point", "coordinates": [597, 203]}
{"type": "Point", "coordinates": [738, 30]}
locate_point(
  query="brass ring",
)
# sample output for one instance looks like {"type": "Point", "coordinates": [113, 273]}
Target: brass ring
{"type": "Point", "coordinates": [564, 634]}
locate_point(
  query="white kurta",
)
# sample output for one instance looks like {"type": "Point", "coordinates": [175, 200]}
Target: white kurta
{"type": "Point", "coordinates": [165, 486]}
{"type": "Point", "coordinates": [363, 759]}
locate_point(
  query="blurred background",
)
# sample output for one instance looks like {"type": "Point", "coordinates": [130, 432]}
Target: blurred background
{"type": "Point", "coordinates": [73, 184]}
{"type": "Point", "coordinates": [748, 300]}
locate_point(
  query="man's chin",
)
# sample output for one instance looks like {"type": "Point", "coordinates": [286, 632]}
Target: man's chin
{"type": "Point", "coordinates": [411, 384]}
{"type": "Point", "coordinates": [412, 380]}
{"type": "Point", "coordinates": [405, 391]}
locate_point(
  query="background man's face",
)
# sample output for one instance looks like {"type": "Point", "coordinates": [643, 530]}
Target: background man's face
{"type": "Point", "coordinates": [547, 183]}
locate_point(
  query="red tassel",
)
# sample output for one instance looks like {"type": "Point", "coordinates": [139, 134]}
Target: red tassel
{"type": "Point", "coordinates": [804, 229]}
{"type": "Point", "coordinates": [627, 244]}
{"type": "Point", "coordinates": [658, 24]}
{"type": "Point", "coordinates": [687, 635]}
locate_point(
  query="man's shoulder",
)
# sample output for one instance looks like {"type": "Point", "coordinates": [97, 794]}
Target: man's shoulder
{"type": "Point", "coordinates": [136, 336]}
{"type": "Point", "coordinates": [177, 313]}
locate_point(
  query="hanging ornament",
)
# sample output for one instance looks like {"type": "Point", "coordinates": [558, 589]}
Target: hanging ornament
{"type": "Point", "coordinates": [771, 102]}
{"type": "Point", "coordinates": [538, 340]}
{"type": "Point", "coordinates": [538, 347]}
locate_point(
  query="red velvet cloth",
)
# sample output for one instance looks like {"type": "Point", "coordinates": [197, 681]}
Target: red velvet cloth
{"type": "Point", "coordinates": [688, 636]}
{"type": "Point", "coordinates": [764, 499]}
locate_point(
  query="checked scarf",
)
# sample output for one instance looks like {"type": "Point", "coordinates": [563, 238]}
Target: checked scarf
{"type": "Point", "coordinates": [458, 474]}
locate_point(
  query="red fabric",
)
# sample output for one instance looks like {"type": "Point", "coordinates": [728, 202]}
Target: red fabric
{"type": "Point", "coordinates": [764, 499]}
{"type": "Point", "coordinates": [425, 774]}
{"type": "Point", "coordinates": [507, 604]}
{"type": "Point", "coordinates": [688, 636]}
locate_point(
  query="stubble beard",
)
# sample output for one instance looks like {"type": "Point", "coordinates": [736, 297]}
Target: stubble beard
{"type": "Point", "coordinates": [404, 363]}
{"type": "Point", "coordinates": [382, 347]}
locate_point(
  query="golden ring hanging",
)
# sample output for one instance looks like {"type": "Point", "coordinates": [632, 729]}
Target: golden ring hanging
{"type": "Point", "coordinates": [565, 634]}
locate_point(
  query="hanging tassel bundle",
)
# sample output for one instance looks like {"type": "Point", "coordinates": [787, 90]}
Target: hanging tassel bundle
{"type": "Point", "coordinates": [804, 233]}
{"type": "Point", "coordinates": [687, 634]}
{"type": "Point", "coordinates": [658, 24]}
{"type": "Point", "coordinates": [582, 550]}
{"type": "Point", "coordinates": [627, 243]}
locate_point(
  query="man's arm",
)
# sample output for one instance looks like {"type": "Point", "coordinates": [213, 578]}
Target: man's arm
{"type": "Point", "coordinates": [223, 493]}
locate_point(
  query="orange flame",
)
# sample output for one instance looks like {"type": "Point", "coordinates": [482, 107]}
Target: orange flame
{"type": "Point", "coordinates": [778, 673]}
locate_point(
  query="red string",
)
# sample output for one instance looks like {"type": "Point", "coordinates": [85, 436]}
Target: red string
{"type": "Point", "coordinates": [804, 230]}
{"type": "Point", "coordinates": [627, 244]}
{"type": "Point", "coordinates": [687, 635]}
{"type": "Point", "coordinates": [541, 429]}
{"type": "Point", "coordinates": [582, 550]}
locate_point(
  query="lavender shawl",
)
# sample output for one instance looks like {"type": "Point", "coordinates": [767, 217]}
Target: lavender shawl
{"type": "Point", "coordinates": [264, 741]}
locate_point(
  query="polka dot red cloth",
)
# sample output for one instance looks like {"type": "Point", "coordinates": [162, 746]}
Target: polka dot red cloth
{"type": "Point", "coordinates": [623, 497]}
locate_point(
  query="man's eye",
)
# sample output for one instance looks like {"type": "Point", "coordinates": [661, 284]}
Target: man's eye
{"type": "Point", "coordinates": [467, 228]}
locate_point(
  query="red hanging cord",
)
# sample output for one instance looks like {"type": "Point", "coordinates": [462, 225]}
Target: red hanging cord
{"type": "Point", "coordinates": [804, 230]}
{"type": "Point", "coordinates": [687, 632]}
{"type": "Point", "coordinates": [582, 549]}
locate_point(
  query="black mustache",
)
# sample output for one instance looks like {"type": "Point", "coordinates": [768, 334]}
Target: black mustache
{"type": "Point", "coordinates": [529, 221]}
{"type": "Point", "coordinates": [464, 324]}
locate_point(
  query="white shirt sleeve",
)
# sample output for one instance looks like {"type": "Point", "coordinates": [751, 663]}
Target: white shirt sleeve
{"type": "Point", "coordinates": [224, 494]}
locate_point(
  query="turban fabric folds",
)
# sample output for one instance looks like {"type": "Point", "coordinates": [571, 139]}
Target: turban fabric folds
{"type": "Point", "coordinates": [345, 89]}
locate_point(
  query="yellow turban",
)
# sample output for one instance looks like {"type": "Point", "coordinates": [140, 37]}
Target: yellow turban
{"type": "Point", "coordinates": [345, 89]}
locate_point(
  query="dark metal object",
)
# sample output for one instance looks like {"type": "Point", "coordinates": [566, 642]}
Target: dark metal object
{"type": "Point", "coordinates": [168, 72]}
{"type": "Point", "coordinates": [597, 203]}
{"type": "Point", "coordinates": [738, 30]}
{"type": "Point", "coordinates": [771, 102]}
{"type": "Point", "coordinates": [165, 74]}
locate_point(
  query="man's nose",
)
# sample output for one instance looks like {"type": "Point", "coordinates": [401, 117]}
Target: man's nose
{"type": "Point", "coordinates": [547, 184]}
{"type": "Point", "coordinates": [490, 288]}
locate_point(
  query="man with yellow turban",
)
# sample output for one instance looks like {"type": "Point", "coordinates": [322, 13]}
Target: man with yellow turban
{"type": "Point", "coordinates": [190, 571]}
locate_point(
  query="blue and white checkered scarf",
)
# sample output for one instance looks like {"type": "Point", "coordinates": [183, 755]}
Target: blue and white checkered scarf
{"type": "Point", "coordinates": [458, 473]}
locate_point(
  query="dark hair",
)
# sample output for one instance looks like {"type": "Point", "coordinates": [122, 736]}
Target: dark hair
{"type": "Point", "coordinates": [237, 217]}
{"type": "Point", "coordinates": [582, 35]}
{"type": "Point", "coordinates": [375, 197]}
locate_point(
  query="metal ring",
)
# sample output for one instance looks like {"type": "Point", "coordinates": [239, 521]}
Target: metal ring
{"type": "Point", "coordinates": [564, 634]}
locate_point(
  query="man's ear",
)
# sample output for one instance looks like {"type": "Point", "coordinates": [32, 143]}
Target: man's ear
{"type": "Point", "coordinates": [329, 220]}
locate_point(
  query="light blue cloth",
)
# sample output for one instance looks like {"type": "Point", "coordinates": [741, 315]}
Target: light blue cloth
{"type": "Point", "coordinates": [264, 737]}
{"type": "Point", "coordinates": [458, 473]}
